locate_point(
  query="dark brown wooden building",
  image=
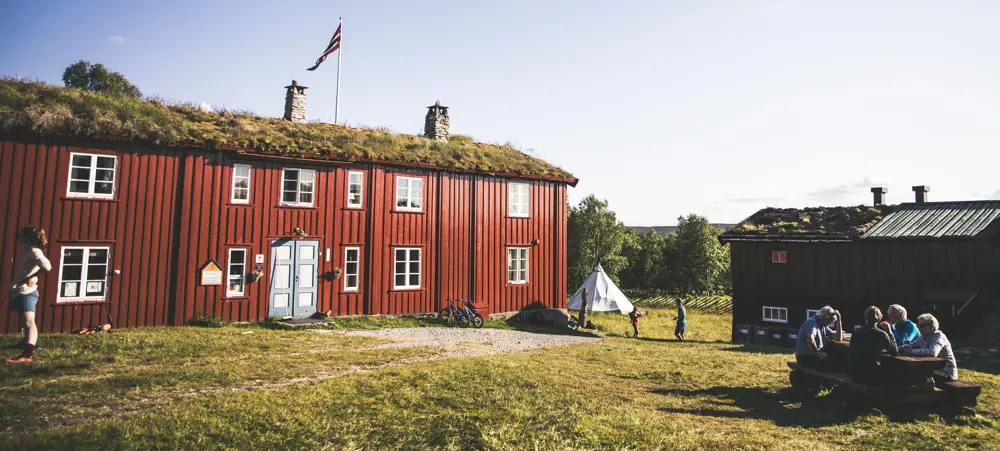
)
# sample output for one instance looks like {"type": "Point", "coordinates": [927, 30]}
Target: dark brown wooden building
{"type": "Point", "coordinates": [937, 257]}
{"type": "Point", "coordinates": [158, 213]}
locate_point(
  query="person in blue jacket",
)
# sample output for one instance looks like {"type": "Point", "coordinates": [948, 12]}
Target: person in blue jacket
{"type": "Point", "coordinates": [903, 329]}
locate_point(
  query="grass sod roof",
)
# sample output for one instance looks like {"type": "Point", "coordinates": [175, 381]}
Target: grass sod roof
{"type": "Point", "coordinates": [814, 223]}
{"type": "Point", "coordinates": [35, 108]}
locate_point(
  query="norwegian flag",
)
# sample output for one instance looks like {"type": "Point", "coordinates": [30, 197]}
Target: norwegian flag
{"type": "Point", "coordinates": [332, 47]}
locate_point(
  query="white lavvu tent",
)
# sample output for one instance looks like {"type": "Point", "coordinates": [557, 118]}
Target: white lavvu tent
{"type": "Point", "coordinates": [602, 294]}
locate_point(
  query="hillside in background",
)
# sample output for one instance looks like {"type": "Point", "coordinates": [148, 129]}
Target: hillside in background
{"type": "Point", "coordinates": [666, 231]}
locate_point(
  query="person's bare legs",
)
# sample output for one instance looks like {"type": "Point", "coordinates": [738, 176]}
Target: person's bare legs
{"type": "Point", "coordinates": [30, 329]}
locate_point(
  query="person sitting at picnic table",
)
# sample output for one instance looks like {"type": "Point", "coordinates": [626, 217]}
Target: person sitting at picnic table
{"type": "Point", "coordinates": [868, 345]}
{"type": "Point", "coordinates": [903, 329]}
{"type": "Point", "coordinates": [809, 351]}
{"type": "Point", "coordinates": [933, 343]}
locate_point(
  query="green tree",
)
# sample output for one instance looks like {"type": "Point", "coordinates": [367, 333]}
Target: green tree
{"type": "Point", "coordinates": [97, 78]}
{"type": "Point", "coordinates": [644, 252]}
{"type": "Point", "coordinates": [695, 261]}
{"type": "Point", "coordinates": [595, 236]}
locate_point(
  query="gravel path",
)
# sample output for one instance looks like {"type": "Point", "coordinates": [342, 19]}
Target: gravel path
{"type": "Point", "coordinates": [469, 342]}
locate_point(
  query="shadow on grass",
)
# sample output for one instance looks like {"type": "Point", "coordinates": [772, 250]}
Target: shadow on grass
{"type": "Point", "coordinates": [759, 349]}
{"type": "Point", "coordinates": [674, 340]}
{"type": "Point", "coordinates": [549, 330]}
{"type": "Point", "coordinates": [784, 408]}
{"type": "Point", "coordinates": [22, 371]}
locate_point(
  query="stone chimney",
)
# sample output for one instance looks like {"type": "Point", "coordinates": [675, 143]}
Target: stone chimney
{"type": "Point", "coordinates": [920, 193]}
{"type": "Point", "coordinates": [436, 124]}
{"type": "Point", "coordinates": [295, 103]}
{"type": "Point", "coordinates": [879, 193]}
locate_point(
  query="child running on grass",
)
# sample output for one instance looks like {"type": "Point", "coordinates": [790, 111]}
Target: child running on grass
{"type": "Point", "coordinates": [681, 319]}
{"type": "Point", "coordinates": [634, 316]}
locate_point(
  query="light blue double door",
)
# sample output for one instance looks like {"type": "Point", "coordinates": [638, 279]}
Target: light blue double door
{"type": "Point", "coordinates": [294, 271]}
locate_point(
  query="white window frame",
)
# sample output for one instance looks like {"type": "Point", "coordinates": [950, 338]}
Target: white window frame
{"type": "Point", "coordinates": [519, 200]}
{"type": "Point", "coordinates": [519, 270]}
{"type": "Point", "coordinates": [298, 189]}
{"type": "Point", "coordinates": [774, 318]}
{"type": "Point", "coordinates": [357, 269]}
{"type": "Point", "coordinates": [92, 181]}
{"type": "Point", "coordinates": [361, 189]}
{"type": "Point", "coordinates": [242, 274]}
{"type": "Point", "coordinates": [85, 263]}
{"type": "Point", "coordinates": [236, 178]}
{"type": "Point", "coordinates": [810, 313]}
{"type": "Point", "coordinates": [406, 268]}
{"type": "Point", "coordinates": [410, 181]}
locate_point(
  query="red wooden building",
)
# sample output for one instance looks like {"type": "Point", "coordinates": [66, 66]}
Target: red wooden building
{"type": "Point", "coordinates": [211, 213]}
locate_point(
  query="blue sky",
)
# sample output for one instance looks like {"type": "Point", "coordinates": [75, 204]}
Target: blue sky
{"type": "Point", "coordinates": [662, 108]}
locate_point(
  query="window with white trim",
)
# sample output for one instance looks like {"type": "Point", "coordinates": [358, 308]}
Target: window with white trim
{"type": "Point", "coordinates": [518, 199]}
{"type": "Point", "coordinates": [779, 256]}
{"type": "Point", "coordinates": [409, 193]}
{"type": "Point", "coordinates": [236, 275]}
{"type": "Point", "coordinates": [355, 187]}
{"type": "Point", "coordinates": [297, 187]}
{"type": "Point", "coordinates": [811, 313]}
{"type": "Point", "coordinates": [407, 268]}
{"type": "Point", "coordinates": [517, 265]}
{"type": "Point", "coordinates": [775, 314]}
{"type": "Point", "coordinates": [91, 175]}
{"type": "Point", "coordinates": [352, 260]}
{"type": "Point", "coordinates": [83, 274]}
{"type": "Point", "coordinates": [241, 184]}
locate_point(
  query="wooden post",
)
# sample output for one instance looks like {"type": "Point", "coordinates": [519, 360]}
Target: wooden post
{"type": "Point", "coordinates": [583, 310]}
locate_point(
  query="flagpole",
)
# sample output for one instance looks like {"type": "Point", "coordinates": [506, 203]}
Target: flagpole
{"type": "Point", "coordinates": [340, 52]}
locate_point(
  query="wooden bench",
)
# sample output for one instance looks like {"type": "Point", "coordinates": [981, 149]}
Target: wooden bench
{"type": "Point", "coordinates": [961, 392]}
{"type": "Point", "coordinates": [859, 396]}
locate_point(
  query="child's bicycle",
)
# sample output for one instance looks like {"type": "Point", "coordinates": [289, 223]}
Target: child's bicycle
{"type": "Point", "coordinates": [474, 317]}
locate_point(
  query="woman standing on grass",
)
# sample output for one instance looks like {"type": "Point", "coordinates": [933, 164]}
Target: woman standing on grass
{"type": "Point", "coordinates": [24, 289]}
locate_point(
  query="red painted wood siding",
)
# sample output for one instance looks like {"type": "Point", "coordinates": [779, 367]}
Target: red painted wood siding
{"type": "Point", "coordinates": [172, 213]}
{"type": "Point", "coordinates": [136, 226]}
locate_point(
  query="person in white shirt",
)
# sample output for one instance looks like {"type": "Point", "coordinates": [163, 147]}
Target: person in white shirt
{"type": "Point", "coordinates": [934, 343]}
{"type": "Point", "coordinates": [24, 288]}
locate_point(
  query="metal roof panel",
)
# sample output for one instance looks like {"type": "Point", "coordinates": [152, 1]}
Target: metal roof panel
{"type": "Point", "coordinates": [936, 220]}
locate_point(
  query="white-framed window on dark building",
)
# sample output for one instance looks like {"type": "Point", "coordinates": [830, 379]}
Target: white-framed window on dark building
{"type": "Point", "coordinates": [297, 187]}
{"type": "Point", "coordinates": [241, 184]}
{"type": "Point", "coordinates": [519, 199]}
{"type": "Point", "coordinates": [517, 265]}
{"type": "Point", "coordinates": [409, 193]}
{"type": "Point", "coordinates": [811, 313]}
{"type": "Point", "coordinates": [407, 268]}
{"type": "Point", "coordinates": [92, 175]}
{"type": "Point", "coordinates": [352, 261]}
{"type": "Point", "coordinates": [779, 256]}
{"type": "Point", "coordinates": [83, 274]}
{"type": "Point", "coordinates": [775, 314]}
{"type": "Point", "coordinates": [355, 189]}
{"type": "Point", "coordinates": [236, 275]}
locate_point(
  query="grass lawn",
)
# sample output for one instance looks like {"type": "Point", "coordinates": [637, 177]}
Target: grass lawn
{"type": "Point", "coordinates": [193, 388]}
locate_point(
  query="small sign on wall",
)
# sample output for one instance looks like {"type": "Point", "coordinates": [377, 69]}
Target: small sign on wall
{"type": "Point", "coordinates": [211, 273]}
{"type": "Point", "coordinates": [259, 259]}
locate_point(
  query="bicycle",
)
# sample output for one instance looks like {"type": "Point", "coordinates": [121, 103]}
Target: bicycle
{"type": "Point", "coordinates": [474, 317]}
{"type": "Point", "coordinates": [453, 314]}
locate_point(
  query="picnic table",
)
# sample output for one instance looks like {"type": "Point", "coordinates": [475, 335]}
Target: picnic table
{"type": "Point", "coordinates": [910, 376]}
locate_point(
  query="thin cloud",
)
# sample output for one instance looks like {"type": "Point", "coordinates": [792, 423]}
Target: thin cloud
{"type": "Point", "coordinates": [839, 192]}
{"type": "Point", "coordinates": [778, 5]}
{"type": "Point", "coordinates": [115, 40]}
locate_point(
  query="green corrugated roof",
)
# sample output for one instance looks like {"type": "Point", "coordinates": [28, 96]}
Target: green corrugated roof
{"type": "Point", "coordinates": [936, 220]}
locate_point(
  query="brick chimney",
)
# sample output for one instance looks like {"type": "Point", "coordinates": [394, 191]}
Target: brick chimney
{"type": "Point", "coordinates": [879, 193]}
{"type": "Point", "coordinates": [295, 103]}
{"type": "Point", "coordinates": [436, 123]}
{"type": "Point", "coordinates": [920, 193]}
